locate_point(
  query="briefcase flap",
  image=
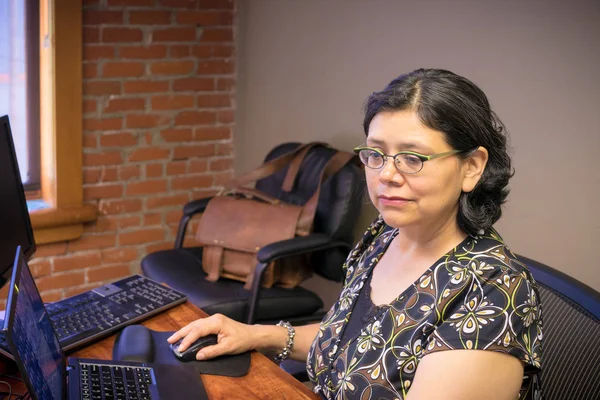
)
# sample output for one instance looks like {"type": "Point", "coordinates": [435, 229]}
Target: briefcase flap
{"type": "Point", "coordinates": [246, 224]}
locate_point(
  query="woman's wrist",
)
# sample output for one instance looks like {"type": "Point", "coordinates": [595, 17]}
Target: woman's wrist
{"type": "Point", "coordinates": [269, 337]}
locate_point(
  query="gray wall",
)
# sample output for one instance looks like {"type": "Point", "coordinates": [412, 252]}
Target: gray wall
{"type": "Point", "coordinates": [306, 66]}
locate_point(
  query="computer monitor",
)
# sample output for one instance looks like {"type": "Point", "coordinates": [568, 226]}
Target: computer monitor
{"type": "Point", "coordinates": [15, 225]}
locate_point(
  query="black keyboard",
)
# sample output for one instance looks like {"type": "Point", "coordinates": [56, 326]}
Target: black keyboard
{"type": "Point", "coordinates": [95, 314]}
{"type": "Point", "coordinates": [111, 382]}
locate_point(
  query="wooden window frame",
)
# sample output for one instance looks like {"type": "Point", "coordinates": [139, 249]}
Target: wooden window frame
{"type": "Point", "coordinates": [61, 124]}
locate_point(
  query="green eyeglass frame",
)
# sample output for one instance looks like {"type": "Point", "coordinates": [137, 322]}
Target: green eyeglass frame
{"type": "Point", "coordinates": [406, 165]}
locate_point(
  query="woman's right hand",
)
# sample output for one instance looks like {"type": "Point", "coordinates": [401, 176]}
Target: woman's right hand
{"type": "Point", "coordinates": [233, 337]}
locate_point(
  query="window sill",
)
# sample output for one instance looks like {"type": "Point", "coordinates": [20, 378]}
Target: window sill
{"type": "Point", "coordinates": [53, 225]}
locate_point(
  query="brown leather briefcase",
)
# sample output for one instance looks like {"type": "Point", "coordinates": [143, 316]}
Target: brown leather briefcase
{"type": "Point", "coordinates": [240, 221]}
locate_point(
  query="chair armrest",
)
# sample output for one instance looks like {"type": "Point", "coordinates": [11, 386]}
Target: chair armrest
{"type": "Point", "coordinates": [298, 245]}
{"type": "Point", "coordinates": [195, 206]}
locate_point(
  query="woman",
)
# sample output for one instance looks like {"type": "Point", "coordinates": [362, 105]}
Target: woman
{"type": "Point", "coordinates": [434, 305]}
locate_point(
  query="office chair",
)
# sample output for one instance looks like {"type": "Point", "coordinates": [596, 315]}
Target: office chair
{"type": "Point", "coordinates": [571, 328]}
{"type": "Point", "coordinates": [337, 212]}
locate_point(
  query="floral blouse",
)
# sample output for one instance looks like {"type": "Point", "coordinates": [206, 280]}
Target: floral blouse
{"type": "Point", "coordinates": [477, 296]}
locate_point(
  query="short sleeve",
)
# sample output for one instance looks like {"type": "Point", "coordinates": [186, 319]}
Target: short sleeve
{"type": "Point", "coordinates": [493, 307]}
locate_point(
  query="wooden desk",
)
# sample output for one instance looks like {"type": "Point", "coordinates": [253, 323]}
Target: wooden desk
{"type": "Point", "coordinates": [265, 380]}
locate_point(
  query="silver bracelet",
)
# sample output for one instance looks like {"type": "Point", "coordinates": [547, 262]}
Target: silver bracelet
{"type": "Point", "coordinates": [287, 350]}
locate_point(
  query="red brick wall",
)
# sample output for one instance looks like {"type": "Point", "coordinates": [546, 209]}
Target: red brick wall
{"type": "Point", "coordinates": [158, 104]}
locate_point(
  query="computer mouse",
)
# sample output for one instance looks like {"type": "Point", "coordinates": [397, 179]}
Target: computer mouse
{"type": "Point", "coordinates": [189, 354]}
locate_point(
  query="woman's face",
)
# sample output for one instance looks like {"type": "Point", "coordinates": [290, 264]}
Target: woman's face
{"type": "Point", "coordinates": [427, 199]}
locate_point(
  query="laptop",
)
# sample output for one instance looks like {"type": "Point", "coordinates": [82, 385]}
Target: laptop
{"type": "Point", "coordinates": [48, 376]}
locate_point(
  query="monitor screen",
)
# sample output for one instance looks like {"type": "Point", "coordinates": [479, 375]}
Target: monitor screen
{"type": "Point", "coordinates": [31, 337]}
{"type": "Point", "coordinates": [15, 225]}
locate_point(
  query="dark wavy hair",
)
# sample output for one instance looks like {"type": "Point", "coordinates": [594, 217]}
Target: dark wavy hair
{"type": "Point", "coordinates": [455, 106]}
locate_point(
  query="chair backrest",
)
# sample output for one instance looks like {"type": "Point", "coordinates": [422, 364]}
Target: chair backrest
{"type": "Point", "coordinates": [338, 207]}
{"type": "Point", "coordinates": [571, 328]}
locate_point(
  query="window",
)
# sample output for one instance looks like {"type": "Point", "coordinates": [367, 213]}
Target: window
{"type": "Point", "coordinates": [19, 82]}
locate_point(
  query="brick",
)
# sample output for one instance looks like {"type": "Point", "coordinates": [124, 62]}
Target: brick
{"type": "Point", "coordinates": [224, 149]}
{"type": "Point", "coordinates": [94, 53]}
{"type": "Point", "coordinates": [197, 166]}
{"type": "Point", "coordinates": [51, 296]}
{"type": "Point", "coordinates": [203, 193]}
{"type": "Point", "coordinates": [48, 250]}
{"type": "Point", "coordinates": [91, 35]}
{"type": "Point", "coordinates": [213, 50]}
{"type": "Point", "coordinates": [145, 86]}
{"type": "Point", "coordinates": [129, 172]}
{"type": "Point", "coordinates": [108, 174]}
{"type": "Point", "coordinates": [89, 106]}
{"type": "Point", "coordinates": [177, 135]}
{"type": "Point", "coordinates": [214, 67]}
{"type": "Point", "coordinates": [179, 51]}
{"type": "Point", "coordinates": [212, 133]}
{"type": "Point", "coordinates": [148, 154]}
{"type": "Point", "coordinates": [195, 118]}
{"type": "Point", "coordinates": [153, 248]}
{"type": "Point", "coordinates": [154, 170]}
{"type": "Point", "coordinates": [191, 182]}
{"type": "Point", "coordinates": [148, 17]}
{"type": "Point", "coordinates": [40, 268]}
{"type": "Point", "coordinates": [107, 124]}
{"type": "Point", "coordinates": [123, 69]}
{"type": "Point", "coordinates": [121, 254]}
{"type": "Point", "coordinates": [213, 100]}
{"type": "Point", "coordinates": [74, 262]}
{"type": "Point", "coordinates": [172, 102]}
{"type": "Point", "coordinates": [220, 178]}
{"type": "Point", "coordinates": [104, 158]}
{"type": "Point", "coordinates": [179, 34]}
{"type": "Point", "coordinates": [124, 104]}
{"type": "Point", "coordinates": [101, 88]}
{"type": "Point", "coordinates": [226, 116]}
{"type": "Point", "coordinates": [194, 84]}
{"type": "Point", "coordinates": [166, 201]}
{"type": "Point", "coordinates": [216, 4]}
{"type": "Point", "coordinates": [146, 187]}
{"type": "Point", "coordinates": [172, 68]}
{"type": "Point", "coordinates": [145, 121]}
{"type": "Point", "coordinates": [131, 3]}
{"type": "Point", "coordinates": [145, 53]}
{"type": "Point", "coordinates": [102, 225]}
{"type": "Point", "coordinates": [176, 168]}
{"type": "Point", "coordinates": [59, 281]}
{"type": "Point", "coordinates": [97, 17]}
{"type": "Point", "coordinates": [93, 242]}
{"type": "Point", "coordinates": [173, 217]}
{"type": "Point", "coordinates": [221, 164]}
{"type": "Point", "coordinates": [184, 152]}
{"type": "Point", "coordinates": [178, 3]}
{"type": "Point", "coordinates": [111, 273]}
{"type": "Point", "coordinates": [118, 139]}
{"type": "Point", "coordinates": [225, 84]}
{"type": "Point", "coordinates": [205, 18]}
{"type": "Point", "coordinates": [90, 70]}
{"type": "Point", "coordinates": [152, 219]}
{"type": "Point", "coordinates": [90, 140]}
{"type": "Point", "coordinates": [217, 35]}
{"type": "Point", "coordinates": [102, 192]}
{"type": "Point", "coordinates": [129, 221]}
{"type": "Point", "coordinates": [91, 175]}
{"type": "Point", "coordinates": [123, 206]}
{"type": "Point", "coordinates": [142, 236]}
{"type": "Point", "coordinates": [121, 35]}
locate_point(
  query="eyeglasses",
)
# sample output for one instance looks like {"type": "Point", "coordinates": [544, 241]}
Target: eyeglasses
{"type": "Point", "coordinates": [407, 162]}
